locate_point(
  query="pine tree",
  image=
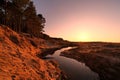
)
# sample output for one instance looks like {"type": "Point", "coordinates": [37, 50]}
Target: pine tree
{"type": "Point", "coordinates": [2, 11]}
{"type": "Point", "coordinates": [20, 15]}
{"type": "Point", "coordinates": [42, 22]}
{"type": "Point", "coordinates": [34, 23]}
{"type": "Point", "coordinates": [19, 7]}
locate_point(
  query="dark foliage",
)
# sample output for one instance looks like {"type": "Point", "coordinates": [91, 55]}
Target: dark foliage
{"type": "Point", "coordinates": [33, 43]}
{"type": "Point", "coordinates": [1, 39]}
{"type": "Point", "coordinates": [20, 15]}
{"type": "Point", "coordinates": [44, 36]}
{"type": "Point", "coordinates": [14, 39]}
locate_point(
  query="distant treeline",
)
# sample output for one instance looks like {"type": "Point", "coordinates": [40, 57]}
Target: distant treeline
{"type": "Point", "coordinates": [21, 16]}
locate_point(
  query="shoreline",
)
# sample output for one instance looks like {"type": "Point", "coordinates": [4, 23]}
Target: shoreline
{"type": "Point", "coordinates": [19, 61]}
{"type": "Point", "coordinates": [51, 51]}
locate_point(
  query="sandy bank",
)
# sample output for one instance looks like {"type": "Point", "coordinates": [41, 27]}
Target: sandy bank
{"type": "Point", "coordinates": [19, 60]}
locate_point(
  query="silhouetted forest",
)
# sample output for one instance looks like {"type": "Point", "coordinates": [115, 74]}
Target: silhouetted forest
{"type": "Point", "coordinates": [21, 16]}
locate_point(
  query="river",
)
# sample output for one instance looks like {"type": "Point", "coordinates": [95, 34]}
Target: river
{"type": "Point", "coordinates": [76, 70]}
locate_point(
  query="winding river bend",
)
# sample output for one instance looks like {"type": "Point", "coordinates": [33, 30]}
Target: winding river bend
{"type": "Point", "coordinates": [76, 70]}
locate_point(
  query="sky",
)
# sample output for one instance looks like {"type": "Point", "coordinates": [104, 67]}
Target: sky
{"type": "Point", "coordinates": [81, 20]}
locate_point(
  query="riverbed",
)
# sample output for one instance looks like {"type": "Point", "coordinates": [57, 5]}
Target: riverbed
{"type": "Point", "coordinates": [74, 69]}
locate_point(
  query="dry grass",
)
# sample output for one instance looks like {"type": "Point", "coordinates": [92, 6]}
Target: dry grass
{"type": "Point", "coordinates": [103, 58]}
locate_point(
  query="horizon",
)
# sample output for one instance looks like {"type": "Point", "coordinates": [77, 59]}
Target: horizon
{"type": "Point", "coordinates": [81, 20]}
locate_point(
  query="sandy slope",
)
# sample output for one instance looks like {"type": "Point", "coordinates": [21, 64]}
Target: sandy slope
{"type": "Point", "coordinates": [18, 60]}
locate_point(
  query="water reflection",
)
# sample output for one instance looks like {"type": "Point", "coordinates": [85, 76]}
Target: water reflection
{"type": "Point", "coordinates": [76, 70]}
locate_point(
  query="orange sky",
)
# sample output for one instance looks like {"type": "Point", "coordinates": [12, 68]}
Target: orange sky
{"type": "Point", "coordinates": [82, 20]}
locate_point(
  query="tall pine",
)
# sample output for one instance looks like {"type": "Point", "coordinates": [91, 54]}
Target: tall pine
{"type": "Point", "coordinates": [20, 15]}
{"type": "Point", "coordinates": [33, 22]}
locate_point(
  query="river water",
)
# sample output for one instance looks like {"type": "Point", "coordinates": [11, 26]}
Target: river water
{"type": "Point", "coordinates": [76, 70]}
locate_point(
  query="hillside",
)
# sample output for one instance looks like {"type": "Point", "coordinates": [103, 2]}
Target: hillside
{"type": "Point", "coordinates": [18, 60]}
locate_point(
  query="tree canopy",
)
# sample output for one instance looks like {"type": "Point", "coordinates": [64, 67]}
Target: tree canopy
{"type": "Point", "coordinates": [21, 16]}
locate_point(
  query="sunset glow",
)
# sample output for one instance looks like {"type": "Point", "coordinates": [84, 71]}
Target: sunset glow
{"type": "Point", "coordinates": [84, 37]}
{"type": "Point", "coordinates": [81, 20]}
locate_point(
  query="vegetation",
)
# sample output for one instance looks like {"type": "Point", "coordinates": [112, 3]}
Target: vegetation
{"type": "Point", "coordinates": [14, 39]}
{"type": "Point", "coordinates": [20, 16]}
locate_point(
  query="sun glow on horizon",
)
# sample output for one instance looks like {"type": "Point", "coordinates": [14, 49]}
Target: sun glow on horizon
{"type": "Point", "coordinates": [83, 37]}
{"type": "Point", "coordinates": [85, 20]}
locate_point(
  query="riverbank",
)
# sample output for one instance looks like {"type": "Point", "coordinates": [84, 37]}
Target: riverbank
{"type": "Point", "coordinates": [19, 60]}
{"type": "Point", "coordinates": [50, 51]}
{"type": "Point", "coordinates": [102, 58]}
{"type": "Point", "coordinates": [73, 69]}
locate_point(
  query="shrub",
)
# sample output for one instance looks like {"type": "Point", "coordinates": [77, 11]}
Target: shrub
{"type": "Point", "coordinates": [14, 39]}
{"type": "Point", "coordinates": [33, 43]}
{"type": "Point", "coordinates": [1, 39]}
